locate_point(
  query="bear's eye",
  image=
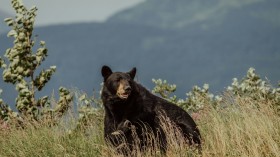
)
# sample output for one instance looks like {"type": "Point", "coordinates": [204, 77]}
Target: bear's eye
{"type": "Point", "coordinates": [114, 85]}
{"type": "Point", "coordinates": [115, 81]}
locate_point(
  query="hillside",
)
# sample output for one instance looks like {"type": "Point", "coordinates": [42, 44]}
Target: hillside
{"type": "Point", "coordinates": [175, 14]}
{"type": "Point", "coordinates": [186, 42]}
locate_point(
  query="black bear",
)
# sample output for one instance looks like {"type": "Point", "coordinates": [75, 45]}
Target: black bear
{"type": "Point", "coordinates": [128, 103]}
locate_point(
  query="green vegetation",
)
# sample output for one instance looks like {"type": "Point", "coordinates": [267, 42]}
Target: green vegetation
{"type": "Point", "coordinates": [242, 121]}
{"type": "Point", "coordinates": [251, 86]}
{"type": "Point", "coordinates": [239, 125]}
{"type": "Point", "coordinates": [21, 72]}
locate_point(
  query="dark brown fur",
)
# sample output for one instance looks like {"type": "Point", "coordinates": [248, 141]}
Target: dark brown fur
{"type": "Point", "coordinates": [140, 109]}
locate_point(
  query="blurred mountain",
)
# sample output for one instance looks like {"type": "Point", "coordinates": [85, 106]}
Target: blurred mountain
{"type": "Point", "coordinates": [175, 14]}
{"type": "Point", "coordinates": [187, 42]}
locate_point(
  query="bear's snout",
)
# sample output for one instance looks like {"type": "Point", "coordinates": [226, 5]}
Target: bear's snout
{"type": "Point", "coordinates": [124, 89]}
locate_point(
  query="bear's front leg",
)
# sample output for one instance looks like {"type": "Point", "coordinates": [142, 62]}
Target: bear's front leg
{"type": "Point", "coordinates": [123, 136]}
{"type": "Point", "coordinates": [123, 127]}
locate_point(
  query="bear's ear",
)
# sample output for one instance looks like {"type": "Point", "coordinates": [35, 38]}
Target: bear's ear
{"type": "Point", "coordinates": [132, 73]}
{"type": "Point", "coordinates": [106, 72]}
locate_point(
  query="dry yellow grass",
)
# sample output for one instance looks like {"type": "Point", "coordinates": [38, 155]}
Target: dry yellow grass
{"type": "Point", "coordinates": [245, 127]}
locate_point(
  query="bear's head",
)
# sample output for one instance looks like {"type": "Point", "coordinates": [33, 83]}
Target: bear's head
{"type": "Point", "coordinates": [118, 83]}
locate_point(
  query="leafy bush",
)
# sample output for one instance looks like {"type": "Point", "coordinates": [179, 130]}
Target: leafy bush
{"type": "Point", "coordinates": [251, 86]}
{"type": "Point", "coordinates": [6, 113]}
{"type": "Point", "coordinates": [90, 111]}
{"type": "Point", "coordinates": [254, 87]}
{"type": "Point", "coordinates": [195, 101]}
{"type": "Point", "coordinates": [22, 66]}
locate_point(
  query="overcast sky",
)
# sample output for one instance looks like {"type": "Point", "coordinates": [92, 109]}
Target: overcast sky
{"type": "Point", "coordinates": [69, 11]}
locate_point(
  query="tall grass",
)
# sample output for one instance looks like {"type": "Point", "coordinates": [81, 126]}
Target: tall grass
{"type": "Point", "coordinates": [243, 127]}
{"type": "Point", "coordinates": [246, 128]}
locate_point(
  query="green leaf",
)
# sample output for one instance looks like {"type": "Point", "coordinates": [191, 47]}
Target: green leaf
{"type": "Point", "coordinates": [9, 21]}
{"type": "Point", "coordinates": [19, 18]}
{"type": "Point", "coordinates": [12, 33]}
{"type": "Point", "coordinates": [53, 67]}
{"type": "Point", "coordinates": [33, 8]}
{"type": "Point", "coordinates": [42, 43]}
{"type": "Point", "coordinates": [82, 97]}
{"type": "Point", "coordinates": [21, 86]}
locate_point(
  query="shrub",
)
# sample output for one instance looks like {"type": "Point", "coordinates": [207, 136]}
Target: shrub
{"type": "Point", "coordinates": [251, 86]}
{"type": "Point", "coordinates": [254, 87]}
{"type": "Point", "coordinates": [195, 101]}
{"type": "Point", "coordinates": [22, 67]}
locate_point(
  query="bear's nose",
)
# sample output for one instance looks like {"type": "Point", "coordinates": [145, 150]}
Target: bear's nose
{"type": "Point", "coordinates": [127, 88]}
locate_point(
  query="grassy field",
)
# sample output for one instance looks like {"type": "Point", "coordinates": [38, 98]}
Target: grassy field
{"type": "Point", "coordinates": [245, 127]}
